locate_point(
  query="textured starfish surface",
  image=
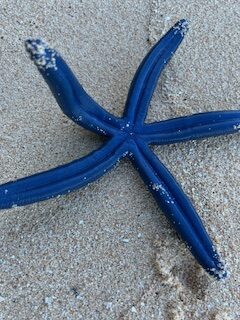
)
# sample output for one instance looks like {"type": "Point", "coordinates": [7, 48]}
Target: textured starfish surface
{"type": "Point", "coordinates": [128, 136]}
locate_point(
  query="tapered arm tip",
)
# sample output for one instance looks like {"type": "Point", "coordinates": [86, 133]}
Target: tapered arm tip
{"type": "Point", "coordinates": [182, 25]}
{"type": "Point", "coordinates": [43, 56]}
{"type": "Point", "coordinates": [219, 272]}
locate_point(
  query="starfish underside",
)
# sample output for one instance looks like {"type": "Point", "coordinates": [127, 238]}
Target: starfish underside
{"type": "Point", "coordinates": [128, 136]}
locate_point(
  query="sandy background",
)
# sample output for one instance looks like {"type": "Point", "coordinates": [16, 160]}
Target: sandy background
{"type": "Point", "coordinates": [106, 251]}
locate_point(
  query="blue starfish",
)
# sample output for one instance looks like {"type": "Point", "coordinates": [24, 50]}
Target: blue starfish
{"type": "Point", "coordinates": [128, 136]}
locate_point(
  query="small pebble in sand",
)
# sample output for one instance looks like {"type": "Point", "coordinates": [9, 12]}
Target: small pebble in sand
{"type": "Point", "coordinates": [48, 300]}
{"type": "Point", "coordinates": [108, 305]}
{"type": "Point", "coordinates": [133, 309]}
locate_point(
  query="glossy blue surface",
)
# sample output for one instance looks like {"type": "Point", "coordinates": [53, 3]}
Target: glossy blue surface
{"type": "Point", "coordinates": [128, 136]}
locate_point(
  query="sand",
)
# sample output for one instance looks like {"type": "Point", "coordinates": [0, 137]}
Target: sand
{"type": "Point", "coordinates": [107, 251]}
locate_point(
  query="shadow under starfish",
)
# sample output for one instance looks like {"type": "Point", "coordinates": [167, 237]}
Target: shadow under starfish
{"type": "Point", "coordinates": [128, 136]}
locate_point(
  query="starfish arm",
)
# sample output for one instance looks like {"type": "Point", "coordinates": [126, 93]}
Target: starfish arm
{"type": "Point", "coordinates": [70, 95]}
{"type": "Point", "coordinates": [178, 209]}
{"type": "Point", "coordinates": [146, 77]}
{"type": "Point", "coordinates": [63, 179]}
{"type": "Point", "coordinates": [197, 126]}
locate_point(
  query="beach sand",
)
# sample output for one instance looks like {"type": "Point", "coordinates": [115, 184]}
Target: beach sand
{"type": "Point", "coordinates": [106, 251]}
